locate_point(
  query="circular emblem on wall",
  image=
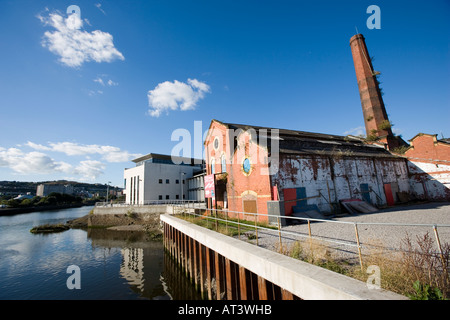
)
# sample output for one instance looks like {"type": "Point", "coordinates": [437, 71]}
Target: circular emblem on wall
{"type": "Point", "coordinates": [246, 165]}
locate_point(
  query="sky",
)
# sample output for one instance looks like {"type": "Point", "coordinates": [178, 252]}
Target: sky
{"type": "Point", "coordinates": [86, 90]}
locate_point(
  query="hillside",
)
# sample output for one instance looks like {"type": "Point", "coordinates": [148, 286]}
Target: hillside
{"type": "Point", "coordinates": [15, 188]}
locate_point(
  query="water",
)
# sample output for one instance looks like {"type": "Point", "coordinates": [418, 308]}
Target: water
{"type": "Point", "coordinates": [113, 265]}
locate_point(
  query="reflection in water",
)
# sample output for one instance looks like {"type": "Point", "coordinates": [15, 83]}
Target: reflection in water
{"type": "Point", "coordinates": [116, 265]}
{"type": "Point", "coordinates": [180, 287]}
{"type": "Point", "coordinates": [148, 270]}
{"type": "Point", "coordinates": [132, 267]}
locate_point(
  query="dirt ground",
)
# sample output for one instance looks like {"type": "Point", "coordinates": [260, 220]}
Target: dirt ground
{"type": "Point", "coordinates": [118, 222]}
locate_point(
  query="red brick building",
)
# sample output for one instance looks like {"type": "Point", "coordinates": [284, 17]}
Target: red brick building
{"type": "Point", "coordinates": [307, 171]}
{"type": "Point", "coordinates": [237, 187]}
{"type": "Point", "coordinates": [429, 166]}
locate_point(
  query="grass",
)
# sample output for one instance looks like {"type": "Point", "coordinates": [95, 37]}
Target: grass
{"type": "Point", "coordinates": [314, 252]}
{"type": "Point", "coordinates": [418, 271]}
{"type": "Point", "coordinates": [226, 225]}
{"type": "Point", "coordinates": [49, 228]}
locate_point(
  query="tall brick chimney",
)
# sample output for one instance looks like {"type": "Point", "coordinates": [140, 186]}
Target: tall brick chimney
{"type": "Point", "coordinates": [375, 116]}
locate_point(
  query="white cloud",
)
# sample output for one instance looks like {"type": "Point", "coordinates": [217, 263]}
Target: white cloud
{"type": "Point", "coordinates": [108, 153]}
{"type": "Point", "coordinates": [103, 81]}
{"type": "Point", "coordinates": [358, 131]}
{"type": "Point", "coordinates": [75, 149]}
{"type": "Point", "coordinates": [112, 83]}
{"type": "Point", "coordinates": [99, 80]}
{"type": "Point", "coordinates": [30, 163]}
{"type": "Point", "coordinates": [75, 46]}
{"type": "Point", "coordinates": [176, 95]}
{"type": "Point", "coordinates": [397, 131]}
{"type": "Point", "coordinates": [96, 159]}
{"type": "Point", "coordinates": [99, 6]}
{"type": "Point", "coordinates": [36, 146]}
{"type": "Point", "coordinates": [361, 131]}
{"type": "Point", "coordinates": [93, 93]}
{"type": "Point", "coordinates": [90, 169]}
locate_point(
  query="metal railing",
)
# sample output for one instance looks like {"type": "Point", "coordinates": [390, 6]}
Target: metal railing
{"type": "Point", "coordinates": [185, 203]}
{"type": "Point", "coordinates": [192, 207]}
{"type": "Point", "coordinates": [235, 220]}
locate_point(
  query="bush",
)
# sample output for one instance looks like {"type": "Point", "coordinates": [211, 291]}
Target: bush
{"type": "Point", "coordinates": [425, 292]}
{"type": "Point", "coordinates": [13, 203]}
{"type": "Point", "coordinates": [426, 268]}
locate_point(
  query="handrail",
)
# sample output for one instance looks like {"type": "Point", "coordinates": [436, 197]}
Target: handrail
{"type": "Point", "coordinates": [146, 203]}
{"type": "Point", "coordinates": [191, 205]}
{"type": "Point", "coordinates": [355, 244]}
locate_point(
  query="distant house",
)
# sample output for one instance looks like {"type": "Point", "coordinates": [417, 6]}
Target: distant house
{"type": "Point", "coordinates": [162, 177]}
{"type": "Point", "coordinates": [252, 165]}
{"type": "Point", "coordinates": [24, 196]}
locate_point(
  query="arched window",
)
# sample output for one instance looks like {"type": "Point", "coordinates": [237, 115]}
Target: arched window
{"type": "Point", "coordinates": [223, 162]}
{"type": "Point", "coordinates": [213, 163]}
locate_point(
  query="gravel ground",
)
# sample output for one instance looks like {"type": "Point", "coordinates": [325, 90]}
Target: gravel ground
{"type": "Point", "coordinates": [371, 236]}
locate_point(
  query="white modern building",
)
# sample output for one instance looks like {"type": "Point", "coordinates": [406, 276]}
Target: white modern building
{"type": "Point", "coordinates": [160, 177]}
{"type": "Point", "coordinates": [44, 190]}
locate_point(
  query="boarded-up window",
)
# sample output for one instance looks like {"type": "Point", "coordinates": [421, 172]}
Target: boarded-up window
{"type": "Point", "coordinates": [250, 206]}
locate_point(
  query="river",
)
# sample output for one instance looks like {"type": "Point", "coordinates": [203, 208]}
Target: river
{"type": "Point", "coordinates": [110, 264]}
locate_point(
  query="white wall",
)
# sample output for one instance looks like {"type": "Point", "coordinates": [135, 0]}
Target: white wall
{"type": "Point", "coordinates": [134, 185]}
{"type": "Point", "coordinates": [315, 174]}
{"type": "Point", "coordinates": [149, 187]}
{"type": "Point", "coordinates": [157, 171]}
{"type": "Point", "coordinates": [430, 181]}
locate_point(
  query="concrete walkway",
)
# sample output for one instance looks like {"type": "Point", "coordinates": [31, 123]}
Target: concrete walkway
{"type": "Point", "coordinates": [302, 279]}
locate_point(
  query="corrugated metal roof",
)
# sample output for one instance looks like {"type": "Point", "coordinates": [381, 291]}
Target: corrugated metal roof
{"type": "Point", "coordinates": [310, 143]}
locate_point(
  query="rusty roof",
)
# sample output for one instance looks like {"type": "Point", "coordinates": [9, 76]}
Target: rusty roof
{"type": "Point", "coordinates": [297, 142]}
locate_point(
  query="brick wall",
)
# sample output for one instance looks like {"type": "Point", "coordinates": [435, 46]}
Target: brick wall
{"type": "Point", "coordinates": [427, 148]}
{"type": "Point", "coordinates": [245, 191]}
{"type": "Point", "coordinates": [429, 167]}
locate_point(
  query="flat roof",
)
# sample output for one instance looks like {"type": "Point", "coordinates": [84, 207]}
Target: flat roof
{"type": "Point", "coordinates": [168, 157]}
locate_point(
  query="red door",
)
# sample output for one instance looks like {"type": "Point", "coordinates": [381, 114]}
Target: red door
{"type": "Point", "coordinates": [388, 193]}
{"type": "Point", "coordinates": [289, 194]}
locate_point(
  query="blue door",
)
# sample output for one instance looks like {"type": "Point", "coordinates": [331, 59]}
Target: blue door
{"type": "Point", "coordinates": [365, 193]}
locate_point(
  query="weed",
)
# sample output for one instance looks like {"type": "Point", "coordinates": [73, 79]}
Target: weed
{"type": "Point", "coordinates": [385, 125]}
{"type": "Point", "coordinates": [422, 263]}
{"type": "Point", "coordinates": [296, 250]}
{"type": "Point", "coordinates": [372, 137]}
{"type": "Point", "coordinates": [418, 270]}
{"type": "Point", "coordinates": [315, 252]}
{"type": "Point", "coordinates": [131, 214]}
{"type": "Point", "coordinates": [425, 292]}
{"type": "Point", "coordinates": [400, 150]}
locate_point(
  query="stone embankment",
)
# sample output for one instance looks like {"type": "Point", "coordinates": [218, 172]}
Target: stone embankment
{"type": "Point", "coordinates": [116, 219]}
{"type": "Point", "coordinates": [14, 211]}
{"type": "Point", "coordinates": [120, 219]}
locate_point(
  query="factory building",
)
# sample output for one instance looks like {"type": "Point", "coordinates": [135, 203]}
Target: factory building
{"type": "Point", "coordinates": [250, 167]}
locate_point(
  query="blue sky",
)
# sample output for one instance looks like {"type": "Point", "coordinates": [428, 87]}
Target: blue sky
{"type": "Point", "coordinates": [82, 95]}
